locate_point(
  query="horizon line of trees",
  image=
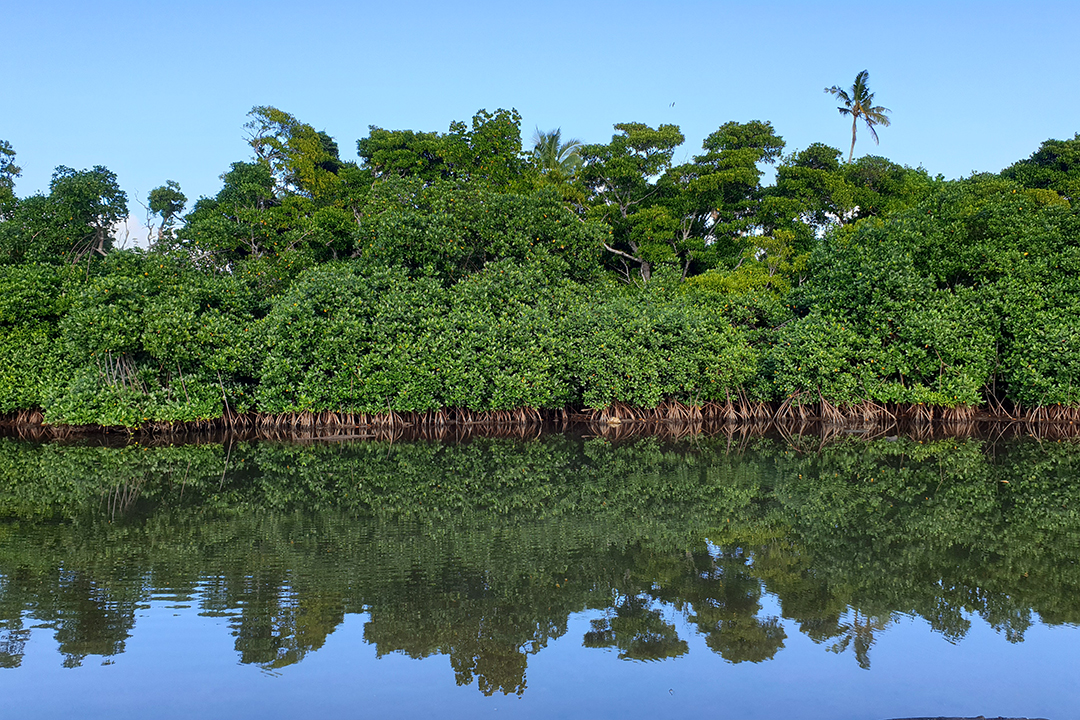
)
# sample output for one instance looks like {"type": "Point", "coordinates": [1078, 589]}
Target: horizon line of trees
{"type": "Point", "coordinates": [456, 269]}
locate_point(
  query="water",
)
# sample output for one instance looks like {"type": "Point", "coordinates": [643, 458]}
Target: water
{"type": "Point", "coordinates": [560, 577]}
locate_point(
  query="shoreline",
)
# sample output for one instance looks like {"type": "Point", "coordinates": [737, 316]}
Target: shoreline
{"type": "Point", "coordinates": [670, 419]}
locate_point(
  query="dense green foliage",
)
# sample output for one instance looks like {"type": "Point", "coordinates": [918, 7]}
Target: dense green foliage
{"type": "Point", "coordinates": [481, 551]}
{"type": "Point", "coordinates": [457, 270]}
{"type": "Point", "coordinates": [960, 298]}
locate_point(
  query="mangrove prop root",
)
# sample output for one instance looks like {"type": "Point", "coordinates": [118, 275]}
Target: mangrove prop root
{"type": "Point", "coordinates": [671, 418]}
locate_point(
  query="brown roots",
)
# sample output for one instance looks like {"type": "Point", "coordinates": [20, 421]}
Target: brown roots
{"type": "Point", "coordinates": [798, 415]}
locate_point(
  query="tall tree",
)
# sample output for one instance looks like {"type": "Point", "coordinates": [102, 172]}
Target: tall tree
{"type": "Point", "coordinates": [8, 172]}
{"type": "Point", "coordinates": [238, 222]}
{"type": "Point", "coordinates": [488, 152]}
{"type": "Point", "coordinates": [167, 202]}
{"type": "Point", "coordinates": [303, 160]}
{"type": "Point", "coordinates": [811, 194]}
{"type": "Point", "coordinates": [714, 199]}
{"type": "Point", "coordinates": [78, 218]}
{"type": "Point", "coordinates": [93, 203]}
{"type": "Point", "coordinates": [618, 180]}
{"type": "Point", "coordinates": [859, 103]}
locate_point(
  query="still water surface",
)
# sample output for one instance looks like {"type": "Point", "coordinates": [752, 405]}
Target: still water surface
{"type": "Point", "coordinates": [556, 577]}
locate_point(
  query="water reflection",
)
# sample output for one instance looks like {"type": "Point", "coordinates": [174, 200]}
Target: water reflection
{"type": "Point", "coordinates": [482, 552]}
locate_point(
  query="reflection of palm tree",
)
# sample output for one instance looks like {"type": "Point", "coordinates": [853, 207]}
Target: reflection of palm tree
{"type": "Point", "coordinates": [551, 153]}
{"type": "Point", "coordinates": [859, 103]}
{"type": "Point", "coordinates": [860, 634]}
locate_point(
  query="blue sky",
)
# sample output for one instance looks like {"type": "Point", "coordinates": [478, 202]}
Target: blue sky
{"type": "Point", "coordinates": [158, 91]}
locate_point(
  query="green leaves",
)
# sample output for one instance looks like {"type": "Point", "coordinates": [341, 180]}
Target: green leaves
{"type": "Point", "coordinates": [8, 172]}
{"type": "Point", "coordinates": [858, 102]}
{"type": "Point", "coordinates": [941, 303]}
{"type": "Point", "coordinates": [301, 160]}
{"type": "Point", "coordinates": [487, 152]}
{"type": "Point", "coordinates": [449, 230]}
{"type": "Point", "coordinates": [167, 202]}
{"type": "Point", "coordinates": [693, 216]}
{"type": "Point", "coordinates": [506, 338]}
{"type": "Point", "coordinates": [1054, 166]}
{"type": "Point", "coordinates": [76, 220]}
{"type": "Point", "coordinates": [33, 362]}
{"type": "Point", "coordinates": [642, 349]}
{"type": "Point", "coordinates": [554, 156]}
{"type": "Point", "coordinates": [453, 270]}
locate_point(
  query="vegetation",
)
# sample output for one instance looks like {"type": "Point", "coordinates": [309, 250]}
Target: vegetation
{"type": "Point", "coordinates": [859, 103]}
{"type": "Point", "coordinates": [458, 272]}
{"type": "Point", "coordinates": [481, 551]}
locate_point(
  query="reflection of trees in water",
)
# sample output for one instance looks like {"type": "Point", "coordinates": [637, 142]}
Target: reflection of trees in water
{"type": "Point", "coordinates": [715, 590]}
{"type": "Point", "coordinates": [121, 499]}
{"type": "Point", "coordinates": [486, 628]}
{"type": "Point", "coordinates": [1007, 618]}
{"type": "Point", "coordinates": [88, 615]}
{"type": "Point", "coordinates": [278, 626]}
{"type": "Point", "coordinates": [12, 643]}
{"type": "Point", "coordinates": [281, 606]}
{"type": "Point", "coordinates": [483, 641]}
{"type": "Point", "coordinates": [637, 630]}
{"type": "Point", "coordinates": [91, 618]}
{"type": "Point", "coordinates": [859, 634]}
{"type": "Point", "coordinates": [13, 632]}
{"type": "Point", "coordinates": [746, 639]}
{"type": "Point", "coordinates": [483, 556]}
{"type": "Point", "coordinates": [722, 599]}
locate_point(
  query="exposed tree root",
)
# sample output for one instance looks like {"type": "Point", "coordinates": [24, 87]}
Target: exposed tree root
{"type": "Point", "coordinates": [797, 416]}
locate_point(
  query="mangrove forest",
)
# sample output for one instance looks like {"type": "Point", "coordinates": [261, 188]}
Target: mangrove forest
{"type": "Point", "coordinates": [463, 276]}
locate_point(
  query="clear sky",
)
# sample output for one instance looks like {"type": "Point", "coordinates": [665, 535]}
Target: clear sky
{"type": "Point", "coordinates": [159, 91]}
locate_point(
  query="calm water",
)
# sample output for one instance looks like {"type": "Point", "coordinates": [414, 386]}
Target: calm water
{"type": "Point", "coordinates": [560, 577]}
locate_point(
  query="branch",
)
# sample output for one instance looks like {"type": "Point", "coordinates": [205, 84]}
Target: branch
{"type": "Point", "coordinates": [620, 253]}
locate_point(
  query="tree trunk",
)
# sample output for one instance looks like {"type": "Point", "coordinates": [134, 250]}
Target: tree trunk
{"type": "Point", "coordinates": [854, 119]}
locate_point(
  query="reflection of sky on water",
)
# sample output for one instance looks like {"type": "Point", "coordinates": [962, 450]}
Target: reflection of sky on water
{"type": "Point", "coordinates": [178, 664]}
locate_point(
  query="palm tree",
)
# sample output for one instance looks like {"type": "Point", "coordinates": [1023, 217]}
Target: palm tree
{"type": "Point", "coordinates": [551, 153]}
{"type": "Point", "coordinates": [859, 103]}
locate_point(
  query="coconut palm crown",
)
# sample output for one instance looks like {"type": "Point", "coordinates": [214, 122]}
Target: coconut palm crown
{"type": "Point", "coordinates": [859, 103]}
{"type": "Point", "coordinates": [551, 153]}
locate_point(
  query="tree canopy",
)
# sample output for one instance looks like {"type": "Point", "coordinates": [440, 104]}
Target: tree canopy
{"type": "Point", "coordinates": [456, 269]}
